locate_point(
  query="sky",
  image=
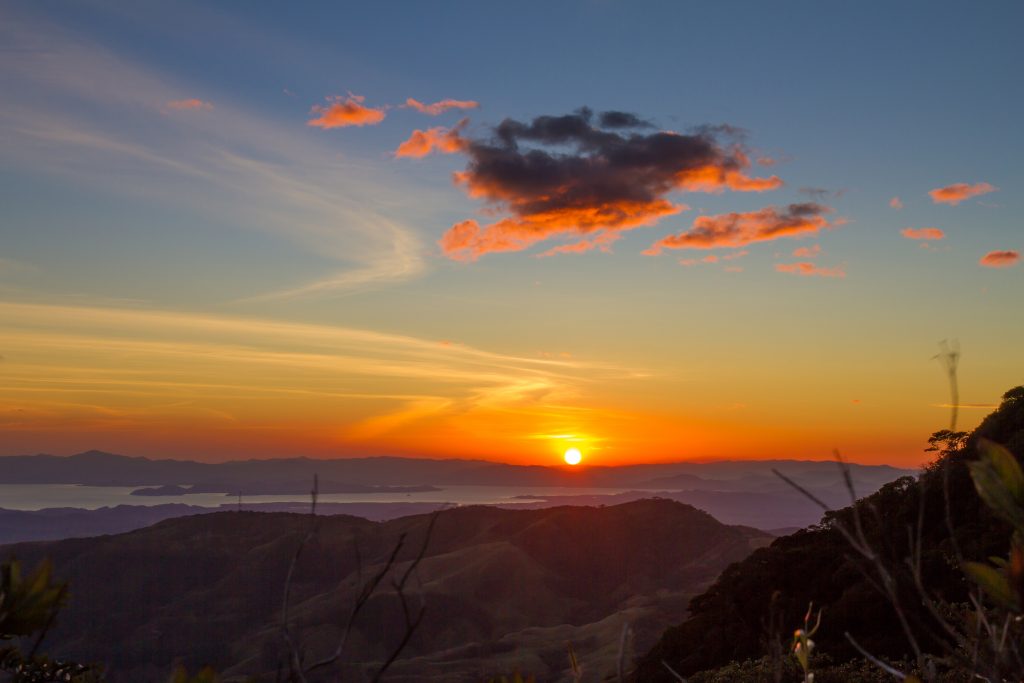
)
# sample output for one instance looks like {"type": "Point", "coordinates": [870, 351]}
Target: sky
{"type": "Point", "coordinates": [649, 231]}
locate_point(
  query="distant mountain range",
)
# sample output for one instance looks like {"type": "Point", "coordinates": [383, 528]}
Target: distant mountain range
{"type": "Point", "coordinates": [734, 492]}
{"type": "Point", "coordinates": [96, 468]}
{"type": "Point", "coordinates": [503, 590]}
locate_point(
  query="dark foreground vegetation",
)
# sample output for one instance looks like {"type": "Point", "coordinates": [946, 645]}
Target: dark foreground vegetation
{"type": "Point", "coordinates": [903, 601]}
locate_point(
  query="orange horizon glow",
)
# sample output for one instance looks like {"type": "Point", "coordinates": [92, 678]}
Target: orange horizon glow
{"type": "Point", "coordinates": [165, 384]}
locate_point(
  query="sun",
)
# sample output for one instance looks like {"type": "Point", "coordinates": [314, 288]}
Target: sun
{"type": "Point", "coordinates": [573, 456]}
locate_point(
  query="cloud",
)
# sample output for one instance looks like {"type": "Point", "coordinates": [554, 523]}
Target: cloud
{"type": "Point", "coordinates": [808, 269]}
{"type": "Point", "coordinates": [439, 139]}
{"type": "Point", "coordinates": [191, 103]}
{"type": "Point", "coordinates": [344, 112]}
{"type": "Point", "coordinates": [566, 175]}
{"type": "Point", "coordinates": [896, 203]}
{"type": "Point", "coordinates": [440, 107]}
{"type": "Point", "coordinates": [622, 119]}
{"type": "Point", "coordinates": [602, 242]}
{"type": "Point", "coordinates": [766, 161]}
{"type": "Point", "coordinates": [922, 233]}
{"type": "Point", "coordinates": [958, 192]}
{"type": "Point", "coordinates": [715, 258]}
{"type": "Point", "coordinates": [1000, 259]}
{"type": "Point", "coordinates": [236, 168]}
{"type": "Point", "coordinates": [807, 252]}
{"type": "Point", "coordinates": [741, 229]}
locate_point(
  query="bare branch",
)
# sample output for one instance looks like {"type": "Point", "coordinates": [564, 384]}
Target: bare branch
{"type": "Point", "coordinates": [875, 660]}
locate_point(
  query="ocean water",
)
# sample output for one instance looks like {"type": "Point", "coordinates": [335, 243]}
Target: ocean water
{"type": "Point", "coordinates": [39, 496]}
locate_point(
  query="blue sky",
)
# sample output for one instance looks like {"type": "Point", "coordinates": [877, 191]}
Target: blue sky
{"type": "Point", "coordinates": [115, 201]}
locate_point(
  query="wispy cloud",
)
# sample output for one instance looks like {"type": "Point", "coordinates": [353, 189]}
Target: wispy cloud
{"type": "Point", "coordinates": [1000, 259]}
{"type": "Point", "coordinates": [76, 365]}
{"type": "Point", "coordinates": [812, 251]}
{"type": "Point", "coordinates": [896, 203]}
{"type": "Point", "coordinates": [923, 233]}
{"type": "Point", "coordinates": [342, 112]}
{"type": "Point", "coordinates": [808, 269]}
{"type": "Point", "coordinates": [191, 103]}
{"type": "Point", "coordinates": [230, 164]}
{"type": "Point", "coordinates": [741, 229]}
{"type": "Point", "coordinates": [440, 107]}
{"type": "Point", "coordinates": [958, 192]}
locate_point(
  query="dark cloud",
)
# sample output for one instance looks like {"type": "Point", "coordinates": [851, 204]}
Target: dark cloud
{"type": "Point", "coordinates": [621, 119]}
{"type": "Point", "coordinates": [564, 175]}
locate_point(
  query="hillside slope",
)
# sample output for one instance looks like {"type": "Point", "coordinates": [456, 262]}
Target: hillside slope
{"type": "Point", "coordinates": [502, 589]}
{"type": "Point", "coordinates": [731, 620]}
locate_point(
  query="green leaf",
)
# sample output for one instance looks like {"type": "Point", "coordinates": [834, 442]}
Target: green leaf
{"type": "Point", "coordinates": [1000, 483]}
{"type": "Point", "coordinates": [993, 582]}
{"type": "Point", "coordinates": [1006, 465]}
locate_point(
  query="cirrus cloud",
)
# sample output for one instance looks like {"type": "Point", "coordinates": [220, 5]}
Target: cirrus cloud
{"type": "Point", "coordinates": [1000, 259]}
{"type": "Point", "coordinates": [342, 112]}
{"type": "Point", "coordinates": [923, 233]}
{"type": "Point", "coordinates": [808, 269]}
{"type": "Point", "coordinates": [741, 229]}
{"type": "Point", "coordinates": [567, 175]}
{"type": "Point", "coordinates": [958, 192]}
{"type": "Point", "coordinates": [812, 251]}
{"type": "Point", "coordinates": [190, 103]}
{"type": "Point", "coordinates": [440, 107]}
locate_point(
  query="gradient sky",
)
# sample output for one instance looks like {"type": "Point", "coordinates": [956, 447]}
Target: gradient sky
{"type": "Point", "coordinates": [220, 236]}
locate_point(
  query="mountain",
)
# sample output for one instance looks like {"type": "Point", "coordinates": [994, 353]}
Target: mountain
{"type": "Point", "coordinates": [745, 493]}
{"type": "Point", "coordinates": [732, 620]}
{"type": "Point", "coordinates": [502, 589]}
{"type": "Point", "coordinates": [95, 468]}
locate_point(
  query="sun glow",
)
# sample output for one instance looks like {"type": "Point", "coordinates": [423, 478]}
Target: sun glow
{"type": "Point", "coordinates": [573, 456]}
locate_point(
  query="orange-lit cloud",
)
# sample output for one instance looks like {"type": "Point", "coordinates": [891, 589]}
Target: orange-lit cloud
{"type": "Point", "coordinates": [191, 103]}
{"type": "Point", "coordinates": [439, 139]}
{"type": "Point", "coordinates": [602, 242]}
{"type": "Point", "coordinates": [1000, 259]}
{"type": "Point", "coordinates": [812, 251]}
{"type": "Point", "coordinates": [468, 241]}
{"type": "Point", "coordinates": [741, 229]}
{"type": "Point", "coordinates": [344, 112]}
{"type": "Point", "coordinates": [440, 107]}
{"type": "Point", "coordinates": [574, 175]}
{"type": "Point", "coordinates": [896, 203]}
{"type": "Point", "coordinates": [958, 192]}
{"type": "Point", "coordinates": [809, 269]}
{"type": "Point", "coordinates": [922, 233]}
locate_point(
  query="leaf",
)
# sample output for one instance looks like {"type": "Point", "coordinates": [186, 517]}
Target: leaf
{"type": "Point", "coordinates": [1007, 466]}
{"type": "Point", "coordinates": [993, 582]}
{"type": "Point", "coordinates": [1000, 483]}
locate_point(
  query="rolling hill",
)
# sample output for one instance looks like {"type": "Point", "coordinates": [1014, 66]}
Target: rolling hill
{"type": "Point", "coordinates": [502, 589]}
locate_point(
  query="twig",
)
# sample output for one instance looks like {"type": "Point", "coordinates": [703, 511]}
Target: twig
{"type": "Point", "coordinates": [673, 672]}
{"type": "Point", "coordinates": [873, 659]}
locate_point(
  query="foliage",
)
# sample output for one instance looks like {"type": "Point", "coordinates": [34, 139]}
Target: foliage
{"type": "Point", "coordinates": [28, 605]}
{"type": "Point", "coordinates": [205, 675]}
{"type": "Point", "coordinates": [514, 678]}
{"type": "Point", "coordinates": [918, 531]}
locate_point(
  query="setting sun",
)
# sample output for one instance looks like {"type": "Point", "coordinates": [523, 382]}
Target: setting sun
{"type": "Point", "coordinates": [573, 456]}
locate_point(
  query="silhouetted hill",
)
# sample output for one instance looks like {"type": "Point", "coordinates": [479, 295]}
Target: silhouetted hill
{"type": "Point", "coordinates": [730, 620]}
{"type": "Point", "coordinates": [503, 589]}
